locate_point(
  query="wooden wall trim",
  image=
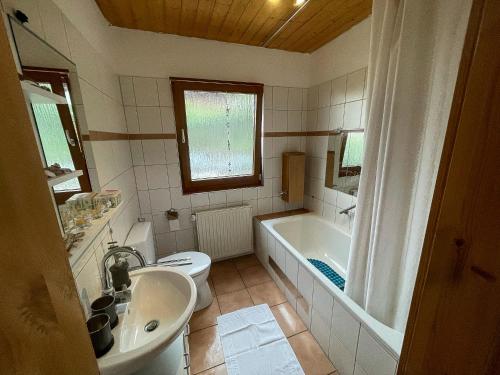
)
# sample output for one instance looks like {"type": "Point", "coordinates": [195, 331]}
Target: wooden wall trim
{"type": "Point", "coordinates": [43, 327]}
{"type": "Point", "coordinates": [94, 135]}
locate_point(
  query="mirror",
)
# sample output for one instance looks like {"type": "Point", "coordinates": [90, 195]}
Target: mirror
{"type": "Point", "coordinates": [343, 160]}
{"type": "Point", "coordinates": [50, 83]}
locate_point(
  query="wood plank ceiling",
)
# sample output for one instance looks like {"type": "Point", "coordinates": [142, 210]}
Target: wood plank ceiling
{"type": "Point", "coordinates": [251, 22]}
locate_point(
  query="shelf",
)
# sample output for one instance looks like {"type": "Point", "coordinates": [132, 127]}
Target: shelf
{"type": "Point", "coordinates": [41, 96]}
{"type": "Point", "coordinates": [53, 181]}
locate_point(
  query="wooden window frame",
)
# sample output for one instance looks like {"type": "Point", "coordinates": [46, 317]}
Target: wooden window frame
{"type": "Point", "coordinates": [179, 86]}
{"type": "Point", "coordinates": [56, 77]}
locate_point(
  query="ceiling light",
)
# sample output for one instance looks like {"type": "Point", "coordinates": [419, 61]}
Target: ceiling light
{"type": "Point", "coordinates": [299, 2]}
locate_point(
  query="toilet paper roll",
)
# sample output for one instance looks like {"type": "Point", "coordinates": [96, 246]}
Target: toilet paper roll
{"type": "Point", "coordinates": [174, 225]}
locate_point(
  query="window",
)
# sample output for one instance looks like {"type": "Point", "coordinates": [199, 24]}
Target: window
{"type": "Point", "coordinates": [58, 132]}
{"type": "Point", "coordinates": [351, 156]}
{"type": "Point", "coordinates": [218, 133]}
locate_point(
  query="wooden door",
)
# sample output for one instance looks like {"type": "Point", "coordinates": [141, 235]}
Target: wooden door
{"type": "Point", "coordinates": [454, 322]}
{"type": "Point", "coordinates": [42, 328]}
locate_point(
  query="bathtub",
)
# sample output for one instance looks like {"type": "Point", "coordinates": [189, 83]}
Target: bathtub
{"type": "Point", "coordinates": [348, 334]}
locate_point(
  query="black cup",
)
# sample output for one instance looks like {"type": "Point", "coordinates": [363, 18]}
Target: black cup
{"type": "Point", "coordinates": [105, 305]}
{"type": "Point", "coordinates": [100, 334]}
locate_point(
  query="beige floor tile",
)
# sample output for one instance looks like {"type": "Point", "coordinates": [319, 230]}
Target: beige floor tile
{"type": "Point", "coordinates": [205, 349]}
{"type": "Point", "coordinates": [206, 317]}
{"type": "Point", "coordinates": [266, 293]}
{"type": "Point", "coordinates": [254, 275]}
{"type": "Point", "coordinates": [234, 301]}
{"type": "Point", "coordinates": [228, 283]}
{"type": "Point", "coordinates": [222, 268]}
{"type": "Point", "coordinates": [246, 261]}
{"type": "Point", "coordinates": [219, 370]}
{"type": "Point", "coordinates": [311, 357]}
{"type": "Point", "coordinates": [288, 320]}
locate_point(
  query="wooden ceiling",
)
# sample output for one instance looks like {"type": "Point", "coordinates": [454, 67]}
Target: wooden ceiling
{"type": "Point", "coordinates": [251, 22]}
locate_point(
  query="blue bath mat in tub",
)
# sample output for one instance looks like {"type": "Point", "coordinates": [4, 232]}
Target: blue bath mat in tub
{"type": "Point", "coordinates": [326, 270]}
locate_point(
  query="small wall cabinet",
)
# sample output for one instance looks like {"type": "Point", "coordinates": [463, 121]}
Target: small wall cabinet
{"type": "Point", "coordinates": [292, 180]}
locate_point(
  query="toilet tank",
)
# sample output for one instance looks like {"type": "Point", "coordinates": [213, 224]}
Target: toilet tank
{"type": "Point", "coordinates": [141, 238]}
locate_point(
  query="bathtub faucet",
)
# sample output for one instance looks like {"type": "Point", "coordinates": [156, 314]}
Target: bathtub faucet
{"type": "Point", "coordinates": [346, 211]}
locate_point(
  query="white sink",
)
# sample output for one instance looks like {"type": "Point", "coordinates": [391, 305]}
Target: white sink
{"type": "Point", "coordinates": [158, 293]}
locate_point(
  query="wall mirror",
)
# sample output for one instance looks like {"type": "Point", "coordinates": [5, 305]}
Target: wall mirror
{"type": "Point", "coordinates": [343, 160]}
{"type": "Point", "coordinates": [50, 85]}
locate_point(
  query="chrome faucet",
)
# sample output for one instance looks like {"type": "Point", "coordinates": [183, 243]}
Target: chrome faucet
{"type": "Point", "coordinates": [347, 210]}
{"type": "Point", "coordinates": [106, 284]}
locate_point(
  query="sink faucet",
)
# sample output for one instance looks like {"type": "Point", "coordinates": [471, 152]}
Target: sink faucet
{"type": "Point", "coordinates": [346, 211]}
{"type": "Point", "coordinates": [106, 284]}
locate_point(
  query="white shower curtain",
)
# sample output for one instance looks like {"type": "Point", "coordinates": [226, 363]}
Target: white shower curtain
{"type": "Point", "coordinates": [415, 52]}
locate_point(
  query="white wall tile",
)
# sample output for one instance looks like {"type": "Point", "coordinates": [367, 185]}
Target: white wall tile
{"type": "Point", "coordinates": [325, 92]}
{"type": "Point", "coordinates": [279, 146]}
{"type": "Point", "coordinates": [276, 167]}
{"type": "Point", "coordinates": [320, 329]}
{"type": "Point", "coordinates": [136, 153]}
{"type": "Point", "coordinates": [160, 223]}
{"type": "Point", "coordinates": [132, 119]}
{"type": "Point", "coordinates": [157, 176]}
{"type": "Point", "coordinates": [313, 97]}
{"type": "Point", "coordinates": [217, 197]}
{"type": "Point", "coordinates": [146, 92]}
{"type": "Point", "coordinates": [267, 147]}
{"type": "Point", "coordinates": [322, 301]}
{"type": "Point", "coordinates": [174, 175]}
{"type": "Point", "coordinates": [294, 99]}
{"type": "Point", "coordinates": [337, 117]}
{"type": "Point", "coordinates": [342, 359]}
{"type": "Point", "coordinates": [280, 119]}
{"type": "Point", "coordinates": [323, 118]}
{"type": "Point", "coordinates": [268, 120]}
{"type": "Point", "coordinates": [164, 92]}
{"type": "Point", "coordinates": [171, 151]}
{"type": "Point", "coordinates": [166, 243]}
{"type": "Point", "coordinates": [144, 202]}
{"type": "Point", "coordinates": [167, 120]}
{"type": "Point", "coordinates": [184, 239]}
{"type": "Point", "coordinates": [265, 206]}
{"type": "Point", "coordinates": [160, 200]}
{"type": "Point", "coordinates": [276, 187]}
{"type": "Point", "coordinates": [268, 97]}
{"type": "Point", "coordinates": [358, 370]}
{"type": "Point", "coordinates": [338, 90]}
{"type": "Point", "coordinates": [345, 327]}
{"type": "Point", "coordinates": [280, 256]}
{"type": "Point", "coordinates": [355, 85]}
{"type": "Point", "coordinates": [179, 200]}
{"type": "Point", "coordinates": [312, 120]}
{"type": "Point", "coordinates": [292, 268]}
{"type": "Point", "coordinates": [304, 310]}
{"type": "Point", "coordinates": [266, 191]}
{"type": "Point", "coordinates": [294, 122]}
{"type": "Point", "coordinates": [199, 200]}
{"type": "Point", "coordinates": [149, 119]}
{"type": "Point", "coordinates": [234, 196]}
{"type": "Point", "coordinates": [352, 115]}
{"type": "Point", "coordinates": [278, 204]}
{"type": "Point", "coordinates": [140, 177]}
{"type": "Point", "coordinates": [364, 114]}
{"type": "Point", "coordinates": [249, 193]}
{"type": "Point", "coordinates": [280, 98]}
{"type": "Point", "coordinates": [372, 357]}
{"type": "Point", "coordinates": [154, 151]}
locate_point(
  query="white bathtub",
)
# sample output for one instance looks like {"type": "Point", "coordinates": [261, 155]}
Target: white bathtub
{"type": "Point", "coordinates": [344, 330]}
{"type": "Point", "coordinates": [317, 238]}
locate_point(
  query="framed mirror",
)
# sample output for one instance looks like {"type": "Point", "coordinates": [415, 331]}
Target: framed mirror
{"type": "Point", "coordinates": [344, 159]}
{"type": "Point", "coordinates": [51, 87]}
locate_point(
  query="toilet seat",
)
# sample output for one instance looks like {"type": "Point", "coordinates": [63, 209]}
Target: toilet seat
{"type": "Point", "coordinates": [200, 262]}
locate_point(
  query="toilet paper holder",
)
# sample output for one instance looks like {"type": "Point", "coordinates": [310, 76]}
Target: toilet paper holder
{"type": "Point", "coordinates": [172, 214]}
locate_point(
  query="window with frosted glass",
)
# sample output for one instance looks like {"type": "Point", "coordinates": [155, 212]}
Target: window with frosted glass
{"type": "Point", "coordinates": [218, 133]}
{"type": "Point", "coordinates": [221, 129]}
{"type": "Point", "coordinates": [353, 155]}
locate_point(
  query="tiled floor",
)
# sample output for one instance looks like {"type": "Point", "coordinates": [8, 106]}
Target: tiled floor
{"type": "Point", "coordinates": [244, 282]}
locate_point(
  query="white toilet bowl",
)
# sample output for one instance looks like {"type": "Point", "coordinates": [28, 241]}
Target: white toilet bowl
{"type": "Point", "coordinates": [199, 271]}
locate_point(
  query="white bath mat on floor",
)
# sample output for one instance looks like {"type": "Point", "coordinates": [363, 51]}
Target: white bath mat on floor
{"type": "Point", "coordinates": [254, 344]}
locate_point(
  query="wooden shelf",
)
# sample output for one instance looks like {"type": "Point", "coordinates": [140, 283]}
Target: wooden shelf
{"type": "Point", "coordinates": [53, 181]}
{"type": "Point", "coordinates": [41, 96]}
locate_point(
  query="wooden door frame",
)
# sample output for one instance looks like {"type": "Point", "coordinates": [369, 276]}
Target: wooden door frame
{"type": "Point", "coordinates": [454, 321]}
{"type": "Point", "coordinates": [43, 327]}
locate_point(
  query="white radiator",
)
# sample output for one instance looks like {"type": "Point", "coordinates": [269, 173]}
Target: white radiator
{"type": "Point", "coordinates": [225, 232]}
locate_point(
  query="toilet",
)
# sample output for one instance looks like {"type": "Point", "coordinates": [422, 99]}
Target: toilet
{"type": "Point", "coordinates": [141, 238]}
